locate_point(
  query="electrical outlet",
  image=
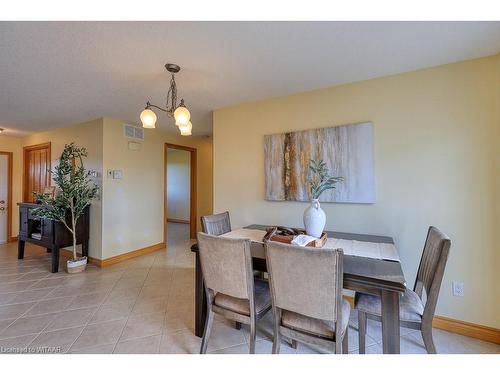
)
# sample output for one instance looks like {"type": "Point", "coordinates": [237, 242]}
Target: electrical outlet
{"type": "Point", "coordinates": [458, 288]}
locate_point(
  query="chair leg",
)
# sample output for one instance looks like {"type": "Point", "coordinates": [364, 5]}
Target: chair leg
{"type": "Point", "coordinates": [427, 337]}
{"type": "Point", "coordinates": [361, 331]}
{"type": "Point", "coordinates": [294, 344]}
{"type": "Point", "coordinates": [208, 329]}
{"type": "Point", "coordinates": [253, 333]}
{"type": "Point", "coordinates": [276, 342]}
{"type": "Point", "coordinates": [345, 342]}
{"type": "Point", "coordinates": [276, 336]}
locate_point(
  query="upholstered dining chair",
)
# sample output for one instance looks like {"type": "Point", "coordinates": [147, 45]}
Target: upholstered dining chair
{"type": "Point", "coordinates": [216, 224]}
{"type": "Point", "coordinates": [306, 292]}
{"type": "Point", "coordinates": [232, 291]}
{"type": "Point", "coordinates": [415, 311]}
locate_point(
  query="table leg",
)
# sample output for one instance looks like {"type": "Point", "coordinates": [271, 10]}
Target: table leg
{"type": "Point", "coordinates": [200, 300]}
{"type": "Point", "coordinates": [55, 259]}
{"type": "Point", "coordinates": [20, 249]}
{"type": "Point", "coordinates": [390, 322]}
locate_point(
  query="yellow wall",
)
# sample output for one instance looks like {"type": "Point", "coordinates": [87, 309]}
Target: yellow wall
{"type": "Point", "coordinates": [88, 135]}
{"type": "Point", "coordinates": [434, 164]}
{"type": "Point", "coordinates": [14, 145]}
{"type": "Point", "coordinates": [133, 206]}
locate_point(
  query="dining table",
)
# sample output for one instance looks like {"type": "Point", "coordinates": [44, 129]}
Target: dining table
{"type": "Point", "coordinates": [380, 277]}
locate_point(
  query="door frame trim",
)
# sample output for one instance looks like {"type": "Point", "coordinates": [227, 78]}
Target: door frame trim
{"type": "Point", "coordinates": [193, 189]}
{"type": "Point", "coordinates": [27, 149]}
{"type": "Point", "coordinates": [10, 156]}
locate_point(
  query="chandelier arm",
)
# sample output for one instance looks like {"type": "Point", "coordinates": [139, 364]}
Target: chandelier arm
{"type": "Point", "coordinates": [157, 107]}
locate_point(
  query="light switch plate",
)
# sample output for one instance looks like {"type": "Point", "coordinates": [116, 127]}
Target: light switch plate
{"type": "Point", "coordinates": [109, 173]}
{"type": "Point", "coordinates": [118, 174]}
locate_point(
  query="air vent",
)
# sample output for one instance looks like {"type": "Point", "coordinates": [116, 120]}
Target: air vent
{"type": "Point", "coordinates": [130, 131]}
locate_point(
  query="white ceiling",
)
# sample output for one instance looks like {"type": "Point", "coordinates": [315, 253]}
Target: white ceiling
{"type": "Point", "coordinates": [58, 73]}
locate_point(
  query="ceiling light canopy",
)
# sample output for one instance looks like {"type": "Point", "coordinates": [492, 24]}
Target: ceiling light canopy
{"type": "Point", "coordinates": [179, 112]}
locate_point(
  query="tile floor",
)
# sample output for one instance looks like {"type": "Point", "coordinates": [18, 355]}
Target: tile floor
{"type": "Point", "coordinates": [144, 305]}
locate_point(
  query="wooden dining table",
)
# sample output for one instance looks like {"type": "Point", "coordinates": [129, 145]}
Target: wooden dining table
{"type": "Point", "coordinates": [378, 277]}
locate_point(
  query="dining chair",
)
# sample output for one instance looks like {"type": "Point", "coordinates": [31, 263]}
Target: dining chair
{"type": "Point", "coordinates": [216, 224]}
{"type": "Point", "coordinates": [231, 289]}
{"type": "Point", "coordinates": [306, 294]}
{"type": "Point", "coordinates": [415, 311]}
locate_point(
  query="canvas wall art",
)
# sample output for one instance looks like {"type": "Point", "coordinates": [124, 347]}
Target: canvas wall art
{"type": "Point", "coordinates": [347, 150]}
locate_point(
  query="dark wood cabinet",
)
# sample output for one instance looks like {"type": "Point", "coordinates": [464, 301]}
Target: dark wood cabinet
{"type": "Point", "coordinates": [49, 233]}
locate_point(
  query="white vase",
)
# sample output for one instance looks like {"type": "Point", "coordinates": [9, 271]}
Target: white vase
{"type": "Point", "coordinates": [314, 219]}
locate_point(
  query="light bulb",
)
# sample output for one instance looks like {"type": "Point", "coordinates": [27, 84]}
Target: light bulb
{"type": "Point", "coordinates": [181, 115]}
{"type": "Point", "coordinates": [148, 119]}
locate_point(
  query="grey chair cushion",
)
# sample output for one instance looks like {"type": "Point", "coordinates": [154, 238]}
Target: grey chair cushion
{"type": "Point", "coordinates": [242, 306]}
{"type": "Point", "coordinates": [410, 305]}
{"type": "Point", "coordinates": [312, 326]}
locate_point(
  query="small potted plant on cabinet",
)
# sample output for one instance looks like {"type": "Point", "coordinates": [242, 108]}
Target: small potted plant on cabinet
{"type": "Point", "coordinates": [75, 191]}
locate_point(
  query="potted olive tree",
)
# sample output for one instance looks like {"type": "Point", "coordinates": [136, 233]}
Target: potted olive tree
{"type": "Point", "coordinates": [75, 191]}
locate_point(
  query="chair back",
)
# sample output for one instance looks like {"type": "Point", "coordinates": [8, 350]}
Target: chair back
{"type": "Point", "coordinates": [431, 269]}
{"type": "Point", "coordinates": [306, 281]}
{"type": "Point", "coordinates": [226, 265]}
{"type": "Point", "coordinates": [216, 224]}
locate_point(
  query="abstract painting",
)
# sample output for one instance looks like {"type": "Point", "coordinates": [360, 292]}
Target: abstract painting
{"type": "Point", "coordinates": [347, 151]}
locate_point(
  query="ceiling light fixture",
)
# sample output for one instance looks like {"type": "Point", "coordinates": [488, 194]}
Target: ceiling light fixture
{"type": "Point", "coordinates": [179, 112]}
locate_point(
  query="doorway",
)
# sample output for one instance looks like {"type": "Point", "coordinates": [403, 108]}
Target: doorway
{"type": "Point", "coordinates": [180, 190]}
{"type": "Point", "coordinates": [5, 197]}
{"type": "Point", "coordinates": [36, 167]}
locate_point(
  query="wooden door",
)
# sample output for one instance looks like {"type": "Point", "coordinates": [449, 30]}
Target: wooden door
{"type": "Point", "coordinates": [36, 170]}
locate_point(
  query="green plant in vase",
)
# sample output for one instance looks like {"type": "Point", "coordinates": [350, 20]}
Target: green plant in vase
{"type": "Point", "coordinates": [320, 181]}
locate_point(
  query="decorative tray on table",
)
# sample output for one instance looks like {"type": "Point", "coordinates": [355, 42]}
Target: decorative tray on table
{"type": "Point", "coordinates": [286, 235]}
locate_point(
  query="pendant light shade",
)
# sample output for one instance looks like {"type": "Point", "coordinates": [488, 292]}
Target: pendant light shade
{"type": "Point", "coordinates": [186, 129]}
{"type": "Point", "coordinates": [148, 119]}
{"type": "Point", "coordinates": [182, 115]}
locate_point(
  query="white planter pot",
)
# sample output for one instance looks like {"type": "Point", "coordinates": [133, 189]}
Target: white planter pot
{"type": "Point", "coordinates": [74, 266]}
{"type": "Point", "coordinates": [314, 219]}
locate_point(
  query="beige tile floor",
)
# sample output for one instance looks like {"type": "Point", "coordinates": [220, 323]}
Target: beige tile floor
{"type": "Point", "coordinates": [144, 305]}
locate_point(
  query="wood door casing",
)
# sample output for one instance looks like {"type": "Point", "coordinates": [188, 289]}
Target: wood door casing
{"type": "Point", "coordinates": [193, 188]}
{"type": "Point", "coordinates": [10, 156]}
{"type": "Point", "coordinates": [36, 170]}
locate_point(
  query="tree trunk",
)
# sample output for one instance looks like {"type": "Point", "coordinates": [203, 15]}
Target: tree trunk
{"type": "Point", "coordinates": [74, 244]}
{"type": "Point", "coordinates": [73, 226]}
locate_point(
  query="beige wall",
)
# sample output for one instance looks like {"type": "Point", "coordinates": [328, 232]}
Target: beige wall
{"type": "Point", "coordinates": [178, 184]}
{"type": "Point", "coordinates": [88, 135]}
{"type": "Point", "coordinates": [435, 148]}
{"type": "Point", "coordinates": [133, 206]}
{"type": "Point", "coordinates": [14, 145]}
